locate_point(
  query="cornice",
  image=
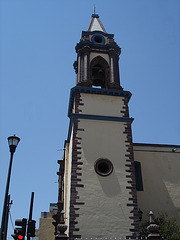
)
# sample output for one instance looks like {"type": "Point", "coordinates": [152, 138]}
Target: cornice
{"type": "Point", "coordinates": [95, 117]}
{"type": "Point", "coordinates": [98, 91]}
{"type": "Point", "coordinates": [87, 33]}
{"type": "Point", "coordinates": [106, 47]}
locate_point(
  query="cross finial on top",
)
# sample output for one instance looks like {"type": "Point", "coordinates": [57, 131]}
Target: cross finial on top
{"type": "Point", "coordinates": [94, 9]}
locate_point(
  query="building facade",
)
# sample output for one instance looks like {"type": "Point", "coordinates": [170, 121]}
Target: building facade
{"type": "Point", "coordinates": [105, 178]}
{"type": "Point", "coordinates": [160, 181]}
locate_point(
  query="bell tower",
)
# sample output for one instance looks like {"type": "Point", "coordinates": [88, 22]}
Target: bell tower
{"type": "Point", "coordinates": [99, 180]}
{"type": "Point", "coordinates": [98, 56]}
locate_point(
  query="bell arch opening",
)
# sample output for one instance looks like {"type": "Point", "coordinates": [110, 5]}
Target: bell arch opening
{"type": "Point", "coordinates": [99, 72]}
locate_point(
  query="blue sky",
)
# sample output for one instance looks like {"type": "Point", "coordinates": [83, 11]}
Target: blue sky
{"type": "Point", "coordinates": [36, 74]}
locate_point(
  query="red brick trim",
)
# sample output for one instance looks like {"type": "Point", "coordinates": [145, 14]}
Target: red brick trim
{"type": "Point", "coordinates": [131, 175]}
{"type": "Point", "coordinates": [125, 110]}
{"type": "Point", "coordinates": [75, 176]}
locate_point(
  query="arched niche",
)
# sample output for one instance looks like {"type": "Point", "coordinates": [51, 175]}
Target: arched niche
{"type": "Point", "coordinates": [99, 72]}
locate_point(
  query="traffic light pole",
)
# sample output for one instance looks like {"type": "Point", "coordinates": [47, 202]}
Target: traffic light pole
{"type": "Point", "coordinates": [29, 227]}
{"type": "Point", "coordinates": [31, 206]}
{"type": "Point", "coordinates": [30, 213]}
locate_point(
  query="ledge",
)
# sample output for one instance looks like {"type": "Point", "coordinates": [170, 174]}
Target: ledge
{"type": "Point", "coordinates": [95, 117]}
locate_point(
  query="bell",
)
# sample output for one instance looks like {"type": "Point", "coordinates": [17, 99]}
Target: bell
{"type": "Point", "coordinates": [98, 76]}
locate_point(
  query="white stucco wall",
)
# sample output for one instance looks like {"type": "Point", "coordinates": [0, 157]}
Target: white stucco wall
{"type": "Point", "coordinates": [161, 179]}
{"type": "Point", "coordinates": [101, 105]}
{"type": "Point", "coordinates": [105, 213]}
{"type": "Point", "coordinates": [105, 198]}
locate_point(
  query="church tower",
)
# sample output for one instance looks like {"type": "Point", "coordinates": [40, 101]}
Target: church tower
{"type": "Point", "coordinates": [99, 192]}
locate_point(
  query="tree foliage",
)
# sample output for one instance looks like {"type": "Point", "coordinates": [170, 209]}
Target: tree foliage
{"type": "Point", "coordinates": [169, 227]}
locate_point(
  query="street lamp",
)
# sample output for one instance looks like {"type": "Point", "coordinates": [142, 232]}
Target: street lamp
{"type": "Point", "coordinates": [13, 142]}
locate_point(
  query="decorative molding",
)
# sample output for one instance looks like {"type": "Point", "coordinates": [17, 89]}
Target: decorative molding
{"type": "Point", "coordinates": [156, 145]}
{"type": "Point", "coordinates": [87, 33]}
{"type": "Point", "coordinates": [104, 118]}
{"type": "Point", "coordinates": [95, 117]}
{"type": "Point", "coordinates": [92, 45]}
{"type": "Point", "coordinates": [99, 91]}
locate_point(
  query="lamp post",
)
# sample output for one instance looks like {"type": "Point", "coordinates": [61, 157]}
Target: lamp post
{"type": "Point", "coordinates": [13, 142]}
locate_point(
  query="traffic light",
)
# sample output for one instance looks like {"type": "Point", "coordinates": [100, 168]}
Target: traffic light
{"type": "Point", "coordinates": [31, 228]}
{"type": "Point", "coordinates": [19, 233]}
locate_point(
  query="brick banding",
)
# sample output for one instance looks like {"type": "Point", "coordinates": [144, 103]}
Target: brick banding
{"type": "Point", "coordinates": [75, 176]}
{"type": "Point", "coordinates": [132, 201]}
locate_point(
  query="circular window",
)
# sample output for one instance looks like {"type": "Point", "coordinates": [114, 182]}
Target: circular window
{"type": "Point", "coordinates": [103, 167]}
{"type": "Point", "coordinates": [98, 39]}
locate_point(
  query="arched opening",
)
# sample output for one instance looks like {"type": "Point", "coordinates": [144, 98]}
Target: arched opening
{"type": "Point", "coordinates": [98, 75]}
{"type": "Point", "coordinates": [99, 72]}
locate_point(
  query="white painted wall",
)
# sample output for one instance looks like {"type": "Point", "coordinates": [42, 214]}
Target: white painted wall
{"type": "Point", "coordinates": [105, 213]}
{"type": "Point", "coordinates": [161, 179]}
{"type": "Point", "coordinates": [103, 105]}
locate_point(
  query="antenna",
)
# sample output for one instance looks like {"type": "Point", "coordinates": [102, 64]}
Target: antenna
{"type": "Point", "coordinates": [94, 9]}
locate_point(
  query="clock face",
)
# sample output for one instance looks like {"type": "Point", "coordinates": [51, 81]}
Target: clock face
{"type": "Point", "coordinates": [98, 39]}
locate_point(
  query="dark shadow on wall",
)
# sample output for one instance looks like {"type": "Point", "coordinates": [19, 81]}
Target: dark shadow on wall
{"type": "Point", "coordinates": [110, 184]}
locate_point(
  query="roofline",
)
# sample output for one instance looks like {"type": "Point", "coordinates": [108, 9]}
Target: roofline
{"type": "Point", "coordinates": [99, 21]}
{"type": "Point", "coordinates": [156, 145]}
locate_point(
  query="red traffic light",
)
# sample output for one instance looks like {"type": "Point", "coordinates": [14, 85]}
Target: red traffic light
{"type": "Point", "coordinates": [20, 237]}
{"type": "Point", "coordinates": [20, 232]}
